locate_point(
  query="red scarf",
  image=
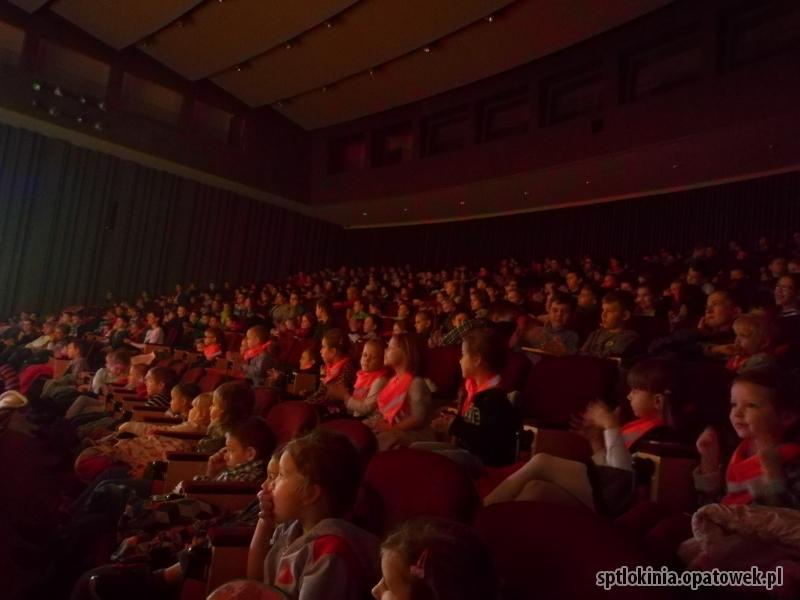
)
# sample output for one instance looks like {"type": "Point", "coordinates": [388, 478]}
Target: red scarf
{"type": "Point", "coordinates": [472, 389]}
{"type": "Point", "coordinates": [393, 396]}
{"type": "Point", "coordinates": [251, 353]}
{"type": "Point", "coordinates": [364, 381]}
{"type": "Point", "coordinates": [735, 362]}
{"type": "Point", "coordinates": [212, 350]}
{"type": "Point", "coordinates": [632, 432]}
{"type": "Point", "coordinates": [744, 474]}
{"type": "Point", "coordinates": [333, 371]}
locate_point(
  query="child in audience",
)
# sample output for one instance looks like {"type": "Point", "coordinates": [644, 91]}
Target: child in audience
{"type": "Point", "coordinates": [486, 427]}
{"type": "Point", "coordinates": [369, 327]}
{"type": "Point", "coordinates": [613, 338]}
{"type": "Point", "coordinates": [214, 344]}
{"type": "Point", "coordinates": [338, 369]}
{"type": "Point", "coordinates": [586, 315]}
{"type": "Point", "coordinates": [755, 336]}
{"type": "Point", "coordinates": [302, 544]}
{"type": "Point", "coordinates": [247, 446]}
{"type": "Point", "coordinates": [257, 356]}
{"type": "Point", "coordinates": [765, 467]}
{"type": "Point", "coordinates": [555, 337]}
{"type": "Point", "coordinates": [404, 404]}
{"type": "Point", "coordinates": [58, 393]}
{"type": "Point", "coordinates": [370, 380]}
{"type": "Point", "coordinates": [118, 363]}
{"type": "Point", "coordinates": [181, 401]}
{"type": "Point", "coordinates": [434, 558]}
{"type": "Point", "coordinates": [606, 483]}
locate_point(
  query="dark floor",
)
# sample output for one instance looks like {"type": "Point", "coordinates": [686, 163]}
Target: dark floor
{"type": "Point", "coordinates": [29, 493]}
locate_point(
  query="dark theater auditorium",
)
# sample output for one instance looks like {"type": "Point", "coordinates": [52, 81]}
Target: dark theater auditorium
{"type": "Point", "coordinates": [399, 299]}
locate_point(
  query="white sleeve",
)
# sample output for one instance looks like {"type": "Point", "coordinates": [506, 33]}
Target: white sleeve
{"type": "Point", "coordinates": [617, 454]}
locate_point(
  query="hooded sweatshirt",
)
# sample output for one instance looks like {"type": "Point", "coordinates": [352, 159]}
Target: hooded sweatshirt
{"type": "Point", "coordinates": [336, 560]}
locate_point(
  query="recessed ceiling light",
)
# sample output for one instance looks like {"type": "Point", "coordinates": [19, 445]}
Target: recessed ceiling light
{"type": "Point", "coordinates": [490, 19]}
{"type": "Point", "coordinates": [426, 49]}
{"type": "Point", "coordinates": [324, 88]}
{"type": "Point", "coordinates": [405, 210]}
{"type": "Point", "coordinates": [588, 181]}
{"type": "Point", "coordinates": [462, 203]}
{"type": "Point", "coordinates": [526, 194]}
{"type": "Point", "coordinates": [288, 45]}
{"type": "Point", "coordinates": [363, 214]}
{"type": "Point", "coordinates": [675, 165]}
{"type": "Point", "coordinates": [328, 24]}
{"type": "Point", "coordinates": [372, 71]}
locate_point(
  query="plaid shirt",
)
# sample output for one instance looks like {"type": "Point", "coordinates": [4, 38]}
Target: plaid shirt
{"type": "Point", "coordinates": [254, 471]}
{"type": "Point", "coordinates": [455, 336]}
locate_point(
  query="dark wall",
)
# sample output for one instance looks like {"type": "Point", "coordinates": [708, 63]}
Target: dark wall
{"type": "Point", "coordinates": [75, 223]}
{"type": "Point", "coordinates": [742, 211]}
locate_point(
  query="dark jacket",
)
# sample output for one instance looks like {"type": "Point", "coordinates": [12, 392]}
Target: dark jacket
{"type": "Point", "coordinates": [489, 429]}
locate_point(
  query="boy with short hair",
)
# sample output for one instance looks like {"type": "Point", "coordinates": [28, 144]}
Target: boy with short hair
{"type": "Point", "coordinates": [555, 337]}
{"type": "Point", "coordinates": [258, 355]}
{"type": "Point", "coordinates": [613, 338]}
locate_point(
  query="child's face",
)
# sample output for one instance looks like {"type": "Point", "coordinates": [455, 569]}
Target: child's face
{"type": "Point", "coordinates": [395, 583]}
{"type": "Point", "coordinates": [558, 315]}
{"type": "Point", "coordinates": [116, 369]}
{"type": "Point", "coordinates": [252, 340]}
{"type": "Point", "coordinates": [613, 316]}
{"type": "Point", "coordinates": [402, 311]}
{"type": "Point", "coordinates": [305, 322]}
{"type": "Point", "coordinates": [153, 387]}
{"type": "Point", "coordinates": [306, 359]}
{"type": "Point", "coordinates": [393, 356]}
{"type": "Point", "coordinates": [752, 413]}
{"type": "Point", "coordinates": [371, 358]}
{"type": "Point", "coordinates": [398, 328]}
{"type": "Point", "coordinates": [469, 362]}
{"type": "Point", "coordinates": [368, 325]}
{"type": "Point", "coordinates": [288, 491]}
{"type": "Point", "coordinates": [644, 404]}
{"type": "Point", "coordinates": [644, 298]}
{"type": "Point", "coordinates": [748, 339]}
{"type": "Point", "coordinates": [327, 352]}
{"type": "Point", "coordinates": [236, 454]}
{"type": "Point", "coordinates": [177, 402]}
{"type": "Point", "coordinates": [784, 292]}
{"type": "Point", "coordinates": [421, 323]}
{"type": "Point", "coordinates": [586, 298]}
{"type": "Point", "coordinates": [72, 351]}
{"type": "Point", "coordinates": [216, 410]}
{"type": "Point", "coordinates": [459, 319]}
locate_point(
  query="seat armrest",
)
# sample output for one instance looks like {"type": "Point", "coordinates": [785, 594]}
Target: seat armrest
{"type": "Point", "coordinates": [159, 419]}
{"type": "Point", "coordinates": [666, 449]}
{"type": "Point", "coordinates": [187, 457]}
{"type": "Point", "coordinates": [191, 436]}
{"type": "Point", "coordinates": [222, 537]}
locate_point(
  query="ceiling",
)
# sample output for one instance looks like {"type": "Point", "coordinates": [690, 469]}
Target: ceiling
{"type": "Point", "coordinates": [323, 62]}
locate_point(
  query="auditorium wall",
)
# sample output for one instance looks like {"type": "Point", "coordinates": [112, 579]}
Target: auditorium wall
{"type": "Point", "coordinates": [76, 223]}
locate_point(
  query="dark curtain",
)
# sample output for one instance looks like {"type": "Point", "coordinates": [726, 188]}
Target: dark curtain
{"type": "Point", "coordinates": [738, 211]}
{"type": "Point", "coordinates": [76, 223]}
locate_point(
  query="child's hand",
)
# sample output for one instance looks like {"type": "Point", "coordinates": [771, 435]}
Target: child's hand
{"type": "Point", "coordinates": [441, 424]}
{"type": "Point", "coordinates": [216, 462]}
{"type": "Point", "coordinates": [599, 415]}
{"type": "Point", "coordinates": [708, 448]}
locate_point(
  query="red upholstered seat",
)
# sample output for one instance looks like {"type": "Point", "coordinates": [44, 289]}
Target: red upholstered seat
{"type": "Point", "coordinates": [441, 366]}
{"type": "Point", "coordinates": [554, 551]}
{"type": "Point", "coordinates": [291, 354]}
{"type": "Point", "coordinates": [179, 367]}
{"type": "Point", "coordinates": [233, 341]}
{"type": "Point", "coordinates": [494, 476]}
{"type": "Point", "coordinates": [211, 380]}
{"type": "Point", "coordinates": [289, 419]}
{"type": "Point", "coordinates": [358, 433]}
{"type": "Point", "coordinates": [559, 386]}
{"type": "Point", "coordinates": [404, 483]}
{"type": "Point", "coordinates": [265, 400]}
{"type": "Point", "coordinates": [514, 374]}
{"type": "Point", "coordinates": [193, 375]}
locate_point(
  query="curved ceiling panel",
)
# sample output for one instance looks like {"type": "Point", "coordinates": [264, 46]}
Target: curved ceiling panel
{"type": "Point", "coordinates": [524, 32]}
{"type": "Point", "coordinates": [120, 23]}
{"type": "Point", "coordinates": [369, 34]}
{"type": "Point", "coordinates": [30, 5]}
{"type": "Point", "coordinates": [221, 35]}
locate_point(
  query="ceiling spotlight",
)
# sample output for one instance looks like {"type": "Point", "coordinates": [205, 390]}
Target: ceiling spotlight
{"type": "Point", "coordinates": [462, 203]}
{"type": "Point", "coordinates": [675, 166]}
{"type": "Point", "coordinates": [52, 111]}
{"type": "Point", "coordinates": [148, 41]}
{"type": "Point", "coordinates": [526, 194]}
{"type": "Point", "coordinates": [490, 19]}
{"type": "Point", "coordinates": [79, 118]}
{"type": "Point", "coordinates": [101, 105]}
{"type": "Point", "coordinates": [372, 71]}
{"type": "Point", "coordinates": [426, 49]}
{"type": "Point", "coordinates": [588, 181]}
{"type": "Point", "coordinates": [363, 214]}
{"type": "Point", "coordinates": [35, 103]}
{"type": "Point", "coordinates": [405, 210]}
{"type": "Point", "coordinates": [242, 67]}
{"type": "Point", "coordinates": [37, 87]}
{"type": "Point", "coordinates": [290, 44]}
{"type": "Point", "coordinates": [98, 126]}
{"type": "Point", "coordinates": [328, 24]}
{"type": "Point", "coordinates": [82, 99]}
{"type": "Point", "coordinates": [57, 91]}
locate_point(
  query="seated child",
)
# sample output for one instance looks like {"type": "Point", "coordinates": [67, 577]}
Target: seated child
{"type": "Point", "coordinates": [118, 363]}
{"type": "Point", "coordinates": [606, 483]}
{"type": "Point", "coordinates": [763, 470]}
{"type": "Point", "coordinates": [338, 369]}
{"type": "Point", "coordinates": [486, 427]}
{"type": "Point", "coordinates": [613, 338]}
{"type": "Point", "coordinates": [214, 343]}
{"type": "Point", "coordinates": [247, 446]}
{"type": "Point", "coordinates": [755, 335]}
{"type": "Point", "coordinates": [76, 353]}
{"type": "Point", "coordinates": [436, 558]}
{"type": "Point", "coordinates": [258, 358]}
{"type": "Point", "coordinates": [180, 405]}
{"type": "Point", "coordinates": [302, 544]}
{"type": "Point", "coordinates": [404, 404]}
{"type": "Point", "coordinates": [370, 380]}
{"type": "Point", "coordinates": [554, 337]}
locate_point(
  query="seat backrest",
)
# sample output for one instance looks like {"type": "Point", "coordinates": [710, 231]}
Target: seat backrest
{"type": "Point", "coordinates": [295, 351]}
{"type": "Point", "coordinates": [292, 418]}
{"type": "Point", "coordinates": [211, 380]}
{"type": "Point", "coordinates": [557, 551]}
{"type": "Point", "coordinates": [514, 374]}
{"type": "Point", "coordinates": [441, 366]}
{"type": "Point", "coordinates": [233, 341]}
{"type": "Point", "coordinates": [193, 375]}
{"type": "Point", "coordinates": [266, 398]}
{"type": "Point", "coordinates": [362, 436]}
{"type": "Point", "coordinates": [404, 483]}
{"type": "Point", "coordinates": [179, 367]}
{"type": "Point", "coordinates": [560, 386]}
